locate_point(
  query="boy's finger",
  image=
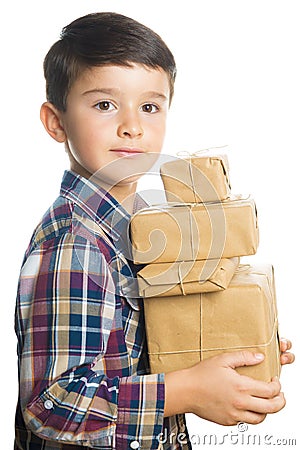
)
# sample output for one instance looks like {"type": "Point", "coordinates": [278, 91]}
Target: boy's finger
{"type": "Point", "coordinates": [241, 358]}
{"type": "Point", "coordinates": [287, 358]}
{"type": "Point", "coordinates": [263, 389]}
{"type": "Point", "coordinates": [267, 405]}
{"type": "Point", "coordinates": [250, 417]}
{"type": "Point", "coordinates": [285, 344]}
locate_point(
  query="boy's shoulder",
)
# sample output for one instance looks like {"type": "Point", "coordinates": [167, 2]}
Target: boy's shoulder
{"type": "Point", "coordinates": [70, 219]}
{"type": "Point", "coordinates": [56, 221]}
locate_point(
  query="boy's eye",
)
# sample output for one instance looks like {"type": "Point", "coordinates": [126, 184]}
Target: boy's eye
{"type": "Point", "coordinates": [105, 105]}
{"type": "Point", "coordinates": [150, 108]}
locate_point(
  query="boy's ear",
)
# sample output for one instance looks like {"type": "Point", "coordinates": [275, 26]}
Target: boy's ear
{"type": "Point", "coordinates": [51, 118]}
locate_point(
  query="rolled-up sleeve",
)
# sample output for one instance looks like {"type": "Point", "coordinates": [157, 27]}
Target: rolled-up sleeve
{"type": "Point", "coordinates": [64, 319]}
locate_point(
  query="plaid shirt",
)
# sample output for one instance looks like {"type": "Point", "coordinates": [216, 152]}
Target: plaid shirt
{"type": "Point", "coordinates": [83, 369]}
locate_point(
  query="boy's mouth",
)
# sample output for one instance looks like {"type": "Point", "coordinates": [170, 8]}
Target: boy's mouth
{"type": "Point", "coordinates": [127, 151]}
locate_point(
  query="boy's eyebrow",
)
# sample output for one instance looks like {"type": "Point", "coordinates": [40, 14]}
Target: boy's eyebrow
{"type": "Point", "coordinates": [156, 94]}
{"type": "Point", "coordinates": [112, 91]}
{"type": "Point", "coordinates": [101, 91]}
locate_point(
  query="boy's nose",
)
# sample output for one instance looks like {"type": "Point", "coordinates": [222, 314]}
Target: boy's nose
{"type": "Point", "coordinates": [130, 126]}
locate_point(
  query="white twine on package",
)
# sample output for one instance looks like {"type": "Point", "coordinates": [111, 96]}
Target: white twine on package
{"type": "Point", "coordinates": [234, 347]}
{"type": "Point", "coordinates": [198, 152]}
{"type": "Point", "coordinates": [180, 278]}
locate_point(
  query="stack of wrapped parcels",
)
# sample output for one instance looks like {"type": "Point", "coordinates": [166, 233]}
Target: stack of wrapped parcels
{"type": "Point", "coordinates": [199, 300]}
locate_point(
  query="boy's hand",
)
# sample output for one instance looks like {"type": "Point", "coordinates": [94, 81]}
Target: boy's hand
{"type": "Point", "coordinates": [213, 390]}
{"type": "Point", "coordinates": [286, 357]}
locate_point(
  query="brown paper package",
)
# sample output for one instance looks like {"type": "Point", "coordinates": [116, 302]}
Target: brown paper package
{"type": "Point", "coordinates": [196, 179]}
{"type": "Point", "coordinates": [187, 232]}
{"type": "Point", "coordinates": [186, 277]}
{"type": "Point", "coordinates": [183, 330]}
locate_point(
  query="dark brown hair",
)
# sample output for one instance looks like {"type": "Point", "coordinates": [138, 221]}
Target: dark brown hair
{"type": "Point", "coordinates": [102, 39]}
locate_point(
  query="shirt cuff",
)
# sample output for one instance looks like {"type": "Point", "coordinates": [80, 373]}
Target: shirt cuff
{"type": "Point", "coordinates": [140, 412]}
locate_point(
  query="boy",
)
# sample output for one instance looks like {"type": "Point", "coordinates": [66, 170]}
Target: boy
{"type": "Point", "coordinates": [84, 379]}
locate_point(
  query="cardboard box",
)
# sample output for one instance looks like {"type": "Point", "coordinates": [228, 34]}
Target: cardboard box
{"type": "Point", "coordinates": [188, 232]}
{"type": "Point", "coordinates": [196, 179]}
{"type": "Point", "coordinates": [186, 277]}
{"type": "Point", "coordinates": [183, 330]}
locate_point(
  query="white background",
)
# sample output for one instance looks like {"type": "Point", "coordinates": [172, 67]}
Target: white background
{"type": "Point", "coordinates": [238, 84]}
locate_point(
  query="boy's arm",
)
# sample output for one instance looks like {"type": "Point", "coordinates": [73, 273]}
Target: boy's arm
{"type": "Point", "coordinates": [66, 312]}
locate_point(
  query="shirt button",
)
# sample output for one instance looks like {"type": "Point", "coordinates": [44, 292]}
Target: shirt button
{"type": "Point", "coordinates": [48, 404]}
{"type": "Point", "coordinates": [134, 445]}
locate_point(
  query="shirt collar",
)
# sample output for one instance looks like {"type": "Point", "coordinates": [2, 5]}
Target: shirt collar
{"type": "Point", "coordinates": [97, 203]}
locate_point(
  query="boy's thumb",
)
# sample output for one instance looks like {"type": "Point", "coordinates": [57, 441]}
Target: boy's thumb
{"type": "Point", "coordinates": [242, 358]}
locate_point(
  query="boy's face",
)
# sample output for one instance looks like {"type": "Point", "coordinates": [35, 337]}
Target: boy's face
{"type": "Point", "coordinates": [115, 121]}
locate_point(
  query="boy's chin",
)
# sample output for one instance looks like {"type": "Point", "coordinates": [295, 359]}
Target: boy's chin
{"type": "Point", "coordinates": [128, 181]}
